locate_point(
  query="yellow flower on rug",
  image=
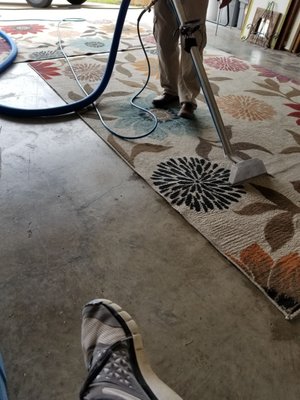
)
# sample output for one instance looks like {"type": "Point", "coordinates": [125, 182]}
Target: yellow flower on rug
{"type": "Point", "coordinates": [246, 107]}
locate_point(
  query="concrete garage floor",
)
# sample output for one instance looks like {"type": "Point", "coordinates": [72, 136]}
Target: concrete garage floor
{"type": "Point", "coordinates": [78, 223]}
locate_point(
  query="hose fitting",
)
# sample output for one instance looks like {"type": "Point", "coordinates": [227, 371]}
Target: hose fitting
{"type": "Point", "coordinates": [150, 5]}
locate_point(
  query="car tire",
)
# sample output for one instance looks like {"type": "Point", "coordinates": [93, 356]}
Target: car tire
{"type": "Point", "coordinates": [76, 2]}
{"type": "Point", "coordinates": [39, 3]}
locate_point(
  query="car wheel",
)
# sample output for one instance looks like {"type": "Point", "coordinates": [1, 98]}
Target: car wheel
{"type": "Point", "coordinates": [76, 2]}
{"type": "Point", "coordinates": [39, 3]}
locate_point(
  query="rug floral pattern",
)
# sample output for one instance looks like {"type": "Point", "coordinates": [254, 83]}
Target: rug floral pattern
{"type": "Point", "coordinates": [41, 40]}
{"type": "Point", "coordinates": [255, 225]}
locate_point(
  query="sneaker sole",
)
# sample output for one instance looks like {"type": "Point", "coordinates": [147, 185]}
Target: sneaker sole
{"type": "Point", "coordinates": [155, 384]}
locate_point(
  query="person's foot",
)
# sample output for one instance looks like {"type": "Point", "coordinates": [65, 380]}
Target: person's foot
{"type": "Point", "coordinates": [187, 110]}
{"type": "Point", "coordinates": [114, 356]}
{"type": "Point", "coordinates": [165, 100]}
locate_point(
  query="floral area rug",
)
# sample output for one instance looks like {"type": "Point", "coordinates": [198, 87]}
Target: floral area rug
{"type": "Point", "coordinates": [255, 225]}
{"type": "Point", "coordinates": [41, 40]}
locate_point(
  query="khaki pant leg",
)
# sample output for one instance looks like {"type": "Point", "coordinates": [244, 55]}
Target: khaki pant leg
{"type": "Point", "coordinates": [165, 30]}
{"type": "Point", "coordinates": [189, 85]}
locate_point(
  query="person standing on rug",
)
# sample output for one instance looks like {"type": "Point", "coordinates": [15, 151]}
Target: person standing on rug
{"type": "Point", "coordinates": [178, 76]}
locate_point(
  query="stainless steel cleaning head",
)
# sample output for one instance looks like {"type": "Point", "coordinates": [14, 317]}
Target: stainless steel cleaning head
{"type": "Point", "coordinates": [246, 169]}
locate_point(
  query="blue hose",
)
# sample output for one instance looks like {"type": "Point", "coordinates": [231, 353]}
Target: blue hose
{"type": "Point", "coordinates": [78, 105]}
{"type": "Point", "coordinates": [3, 383]}
{"type": "Point", "coordinates": [12, 55]}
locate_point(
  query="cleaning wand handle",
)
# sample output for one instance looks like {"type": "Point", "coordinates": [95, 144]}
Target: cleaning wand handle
{"type": "Point", "coordinates": [205, 85]}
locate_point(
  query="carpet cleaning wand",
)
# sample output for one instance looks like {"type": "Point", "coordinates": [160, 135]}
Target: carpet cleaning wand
{"type": "Point", "coordinates": [241, 170]}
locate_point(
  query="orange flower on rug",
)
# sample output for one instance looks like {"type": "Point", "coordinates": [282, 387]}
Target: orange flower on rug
{"type": "Point", "coordinates": [280, 279]}
{"type": "Point", "coordinates": [256, 224]}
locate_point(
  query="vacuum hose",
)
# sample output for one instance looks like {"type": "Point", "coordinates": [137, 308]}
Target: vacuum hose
{"type": "Point", "coordinates": [78, 105]}
{"type": "Point", "coordinates": [12, 55]}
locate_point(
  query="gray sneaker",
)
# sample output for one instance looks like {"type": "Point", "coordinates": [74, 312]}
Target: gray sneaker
{"type": "Point", "coordinates": [115, 359]}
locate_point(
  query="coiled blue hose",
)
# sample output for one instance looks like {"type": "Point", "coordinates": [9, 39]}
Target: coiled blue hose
{"type": "Point", "coordinates": [78, 105]}
{"type": "Point", "coordinates": [12, 54]}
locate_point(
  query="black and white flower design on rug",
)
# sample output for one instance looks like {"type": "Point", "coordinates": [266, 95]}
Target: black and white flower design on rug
{"type": "Point", "coordinates": [196, 183]}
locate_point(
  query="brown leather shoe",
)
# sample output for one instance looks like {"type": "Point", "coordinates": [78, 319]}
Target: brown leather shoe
{"type": "Point", "coordinates": [187, 110]}
{"type": "Point", "coordinates": [164, 100]}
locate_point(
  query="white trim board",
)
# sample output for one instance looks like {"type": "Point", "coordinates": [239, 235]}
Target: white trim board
{"type": "Point", "coordinates": [294, 32]}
